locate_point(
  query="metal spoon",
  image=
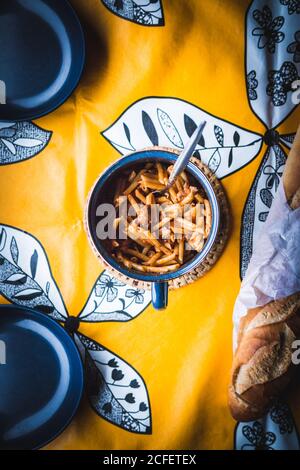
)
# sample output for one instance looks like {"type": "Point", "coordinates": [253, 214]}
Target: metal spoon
{"type": "Point", "coordinates": [184, 157]}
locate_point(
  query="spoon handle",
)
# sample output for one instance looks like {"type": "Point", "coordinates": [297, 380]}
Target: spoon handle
{"type": "Point", "coordinates": [186, 154]}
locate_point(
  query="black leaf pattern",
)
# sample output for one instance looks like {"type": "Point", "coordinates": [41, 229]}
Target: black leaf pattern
{"type": "Point", "coordinates": [190, 127]}
{"type": "Point", "coordinates": [33, 263]}
{"type": "Point", "coordinates": [112, 363]}
{"type": "Point", "coordinates": [230, 157]}
{"type": "Point", "coordinates": [127, 132]}
{"type": "Point", "coordinates": [266, 197]}
{"type": "Point", "coordinates": [149, 128]}
{"type": "Point", "coordinates": [262, 216]}
{"type": "Point", "coordinates": [202, 141]}
{"type": "Point", "coordinates": [14, 250]}
{"type": "Point", "coordinates": [252, 84]}
{"type": "Point", "coordinates": [117, 375]}
{"type": "Point", "coordinates": [143, 406]}
{"type": "Point", "coordinates": [219, 135]}
{"type": "Point", "coordinates": [236, 138]}
{"type": "Point", "coordinates": [3, 238]}
{"type": "Point", "coordinates": [130, 398]}
{"type": "Point", "coordinates": [47, 289]}
{"type": "Point", "coordinates": [119, 4]}
{"type": "Point", "coordinates": [189, 124]}
{"type": "Point", "coordinates": [107, 408]}
{"type": "Point", "coordinates": [134, 384]}
{"type": "Point", "coordinates": [47, 309]}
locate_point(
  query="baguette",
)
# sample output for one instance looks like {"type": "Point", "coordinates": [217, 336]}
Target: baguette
{"type": "Point", "coordinates": [262, 366]}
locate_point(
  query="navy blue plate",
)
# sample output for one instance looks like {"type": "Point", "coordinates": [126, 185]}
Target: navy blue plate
{"type": "Point", "coordinates": [41, 377]}
{"type": "Point", "coordinates": [42, 54]}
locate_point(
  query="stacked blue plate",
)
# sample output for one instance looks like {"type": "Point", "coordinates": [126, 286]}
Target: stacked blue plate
{"type": "Point", "coordinates": [42, 55]}
{"type": "Point", "coordinates": [41, 378]}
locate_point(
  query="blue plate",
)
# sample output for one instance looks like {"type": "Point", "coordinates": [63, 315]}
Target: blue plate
{"type": "Point", "coordinates": [41, 377]}
{"type": "Point", "coordinates": [42, 55]}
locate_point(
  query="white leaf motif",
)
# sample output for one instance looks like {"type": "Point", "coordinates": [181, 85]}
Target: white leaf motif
{"type": "Point", "coordinates": [28, 142]}
{"type": "Point", "coordinates": [15, 278]}
{"type": "Point", "coordinates": [176, 115]}
{"type": "Point", "coordinates": [21, 140]}
{"type": "Point", "coordinates": [115, 389]}
{"type": "Point", "coordinates": [3, 238]}
{"type": "Point", "coordinates": [109, 301]}
{"type": "Point", "coordinates": [10, 146]}
{"type": "Point", "coordinates": [16, 281]}
{"type": "Point", "coordinates": [270, 68]}
{"type": "Point", "coordinates": [169, 128]}
{"type": "Point", "coordinates": [28, 294]}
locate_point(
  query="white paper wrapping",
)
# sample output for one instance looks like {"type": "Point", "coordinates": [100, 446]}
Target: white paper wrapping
{"type": "Point", "coordinates": [274, 269]}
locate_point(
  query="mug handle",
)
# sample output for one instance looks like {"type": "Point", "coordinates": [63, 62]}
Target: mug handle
{"type": "Point", "coordinates": [159, 292]}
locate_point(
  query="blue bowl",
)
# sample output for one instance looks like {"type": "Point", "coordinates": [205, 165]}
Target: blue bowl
{"type": "Point", "coordinates": [102, 193]}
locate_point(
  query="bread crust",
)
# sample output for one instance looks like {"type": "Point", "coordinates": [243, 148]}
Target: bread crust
{"type": "Point", "coordinates": [262, 366]}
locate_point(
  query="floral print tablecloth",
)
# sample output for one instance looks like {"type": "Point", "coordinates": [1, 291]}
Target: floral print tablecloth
{"type": "Point", "coordinates": [155, 68]}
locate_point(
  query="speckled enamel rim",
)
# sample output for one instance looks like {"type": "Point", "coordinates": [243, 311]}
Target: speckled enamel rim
{"type": "Point", "coordinates": [150, 154]}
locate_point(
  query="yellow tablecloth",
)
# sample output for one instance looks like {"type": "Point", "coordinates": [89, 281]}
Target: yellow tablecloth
{"type": "Point", "coordinates": [183, 353]}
